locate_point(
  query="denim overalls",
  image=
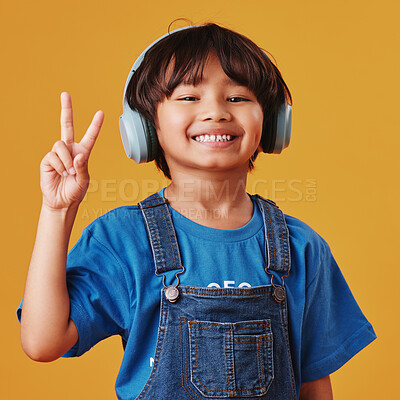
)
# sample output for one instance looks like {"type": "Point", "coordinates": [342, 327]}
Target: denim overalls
{"type": "Point", "coordinates": [218, 343]}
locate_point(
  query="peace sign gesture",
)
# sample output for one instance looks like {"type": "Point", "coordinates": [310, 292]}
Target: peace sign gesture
{"type": "Point", "coordinates": [64, 176]}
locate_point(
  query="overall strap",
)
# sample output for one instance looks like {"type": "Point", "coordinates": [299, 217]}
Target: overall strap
{"type": "Point", "coordinates": [161, 233]}
{"type": "Point", "coordinates": [165, 247]}
{"type": "Point", "coordinates": [276, 235]}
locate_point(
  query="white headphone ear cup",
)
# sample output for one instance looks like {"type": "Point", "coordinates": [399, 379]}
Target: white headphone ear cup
{"type": "Point", "coordinates": [151, 138]}
{"type": "Point", "coordinates": [152, 141]}
{"type": "Point", "coordinates": [283, 128]}
{"type": "Point", "coordinates": [133, 136]}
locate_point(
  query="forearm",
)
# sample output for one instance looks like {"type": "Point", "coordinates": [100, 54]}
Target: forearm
{"type": "Point", "coordinates": [320, 389]}
{"type": "Point", "coordinates": [45, 313]}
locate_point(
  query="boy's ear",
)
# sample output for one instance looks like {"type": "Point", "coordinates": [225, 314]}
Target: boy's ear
{"type": "Point", "coordinates": [260, 149]}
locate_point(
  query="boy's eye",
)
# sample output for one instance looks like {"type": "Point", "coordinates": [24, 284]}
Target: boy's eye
{"type": "Point", "coordinates": [231, 99]}
{"type": "Point", "coordinates": [188, 98]}
{"type": "Point", "coordinates": [236, 99]}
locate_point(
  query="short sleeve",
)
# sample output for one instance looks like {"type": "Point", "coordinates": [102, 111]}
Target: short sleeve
{"type": "Point", "coordinates": [334, 327]}
{"type": "Point", "coordinates": [98, 290]}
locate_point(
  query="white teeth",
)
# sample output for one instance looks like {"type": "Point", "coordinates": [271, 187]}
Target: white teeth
{"type": "Point", "coordinates": [213, 138]}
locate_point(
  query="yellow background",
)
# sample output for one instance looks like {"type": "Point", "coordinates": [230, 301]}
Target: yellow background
{"type": "Point", "coordinates": [340, 174]}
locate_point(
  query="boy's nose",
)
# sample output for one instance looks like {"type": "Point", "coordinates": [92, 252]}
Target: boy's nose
{"type": "Point", "coordinates": [215, 110]}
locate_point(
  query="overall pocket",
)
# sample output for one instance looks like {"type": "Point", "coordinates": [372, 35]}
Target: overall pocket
{"type": "Point", "coordinates": [231, 359]}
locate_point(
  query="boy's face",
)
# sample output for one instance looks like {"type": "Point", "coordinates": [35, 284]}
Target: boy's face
{"type": "Point", "coordinates": [217, 107]}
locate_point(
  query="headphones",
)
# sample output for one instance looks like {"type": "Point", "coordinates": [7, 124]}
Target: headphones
{"type": "Point", "coordinates": [140, 138]}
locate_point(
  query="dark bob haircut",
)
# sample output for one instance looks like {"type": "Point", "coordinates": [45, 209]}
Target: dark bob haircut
{"type": "Point", "coordinates": [187, 51]}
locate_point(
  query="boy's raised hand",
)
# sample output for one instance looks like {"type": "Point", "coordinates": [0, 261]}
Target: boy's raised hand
{"type": "Point", "coordinates": [64, 176]}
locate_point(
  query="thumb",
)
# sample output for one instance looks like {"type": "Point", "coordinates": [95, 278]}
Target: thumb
{"type": "Point", "coordinates": [81, 168]}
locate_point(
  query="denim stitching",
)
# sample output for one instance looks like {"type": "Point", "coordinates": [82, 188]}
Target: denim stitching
{"type": "Point", "coordinates": [233, 377]}
{"type": "Point", "coordinates": [187, 382]}
{"type": "Point", "coordinates": [286, 336]}
{"type": "Point", "coordinates": [284, 240]}
{"type": "Point", "coordinates": [227, 328]}
{"type": "Point", "coordinates": [148, 228]}
{"type": "Point", "coordinates": [281, 234]}
{"type": "Point", "coordinates": [169, 235]}
{"type": "Point", "coordinates": [228, 325]}
{"type": "Point", "coordinates": [158, 243]}
{"type": "Point", "coordinates": [272, 234]}
{"type": "Point", "coordinates": [184, 372]}
{"type": "Point", "coordinates": [260, 365]}
{"type": "Point", "coordinates": [259, 340]}
{"type": "Point", "coordinates": [180, 325]}
{"type": "Point", "coordinates": [197, 368]}
{"type": "Point", "coordinates": [215, 295]}
{"type": "Point", "coordinates": [154, 233]}
{"type": "Point", "coordinates": [262, 207]}
{"type": "Point", "coordinates": [256, 340]}
{"type": "Point", "coordinates": [229, 367]}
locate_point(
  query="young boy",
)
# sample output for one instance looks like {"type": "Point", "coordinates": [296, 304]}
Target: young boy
{"type": "Point", "coordinates": [252, 304]}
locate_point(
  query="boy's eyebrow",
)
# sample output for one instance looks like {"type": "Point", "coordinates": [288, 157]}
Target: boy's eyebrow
{"type": "Point", "coordinates": [227, 81]}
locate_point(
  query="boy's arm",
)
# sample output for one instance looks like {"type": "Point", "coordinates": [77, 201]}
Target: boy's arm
{"type": "Point", "coordinates": [46, 329]}
{"type": "Point", "coordinates": [320, 389]}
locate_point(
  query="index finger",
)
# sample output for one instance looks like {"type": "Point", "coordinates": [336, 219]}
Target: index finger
{"type": "Point", "coordinates": [91, 134]}
{"type": "Point", "coordinates": [67, 125]}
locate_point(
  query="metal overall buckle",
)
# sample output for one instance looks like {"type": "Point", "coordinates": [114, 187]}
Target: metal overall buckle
{"type": "Point", "coordinates": [172, 291]}
{"type": "Point", "coordinates": [279, 293]}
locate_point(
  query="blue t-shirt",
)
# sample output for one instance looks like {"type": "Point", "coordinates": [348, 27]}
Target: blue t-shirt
{"type": "Point", "coordinates": [113, 290]}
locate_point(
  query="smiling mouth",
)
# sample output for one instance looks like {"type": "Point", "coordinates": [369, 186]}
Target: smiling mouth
{"type": "Point", "coordinates": [214, 138]}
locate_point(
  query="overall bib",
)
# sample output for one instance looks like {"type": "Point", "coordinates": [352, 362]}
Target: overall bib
{"type": "Point", "coordinates": [216, 343]}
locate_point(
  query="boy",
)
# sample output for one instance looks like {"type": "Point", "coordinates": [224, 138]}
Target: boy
{"type": "Point", "coordinates": [251, 302]}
